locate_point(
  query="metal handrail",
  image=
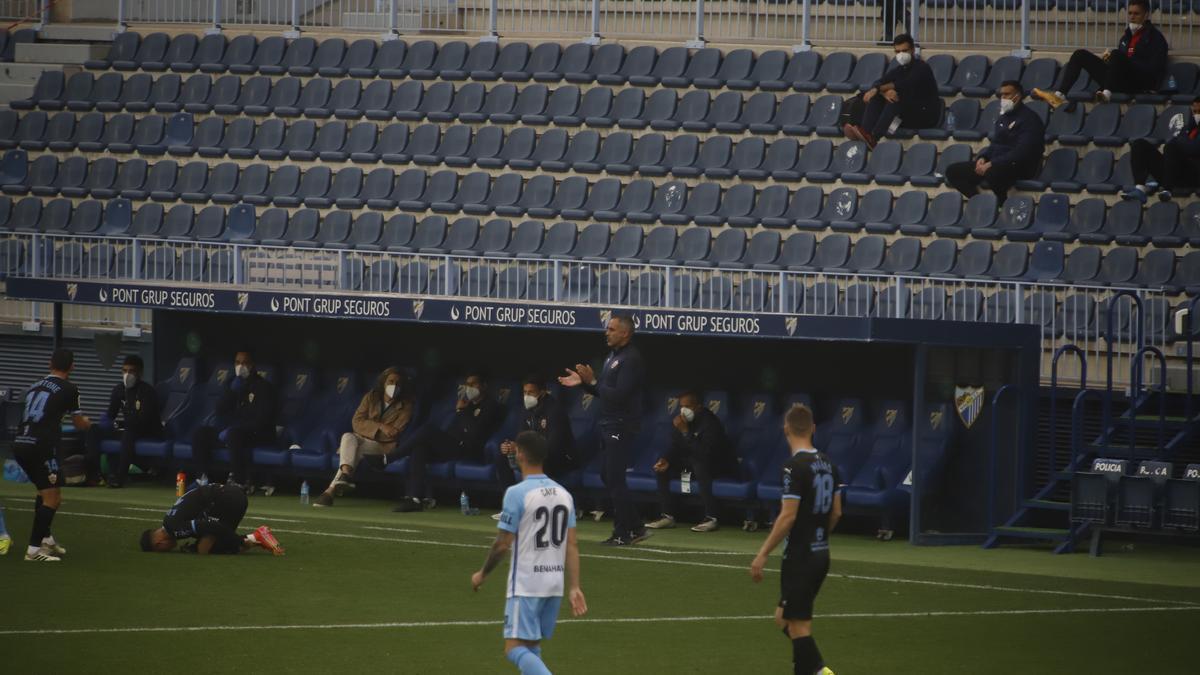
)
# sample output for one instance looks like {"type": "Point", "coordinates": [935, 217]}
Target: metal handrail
{"type": "Point", "coordinates": [1162, 398]}
{"type": "Point", "coordinates": [1109, 341]}
{"type": "Point", "coordinates": [1079, 353]}
{"type": "Point", "coordinates": [992, 453]}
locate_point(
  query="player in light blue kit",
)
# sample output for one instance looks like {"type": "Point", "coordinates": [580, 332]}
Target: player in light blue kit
{"type": "Point", "coordinates": [539, 518]}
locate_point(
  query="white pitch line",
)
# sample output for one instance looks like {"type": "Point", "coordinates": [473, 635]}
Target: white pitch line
{"type": "Point", "coordinates": [619, 620]}
{"type": "Point", "coordinates": [692, 563]}
{"type": "Point", "coordinates": [257, 516]}
{"type": "Point", "coordinates": [390, 529]}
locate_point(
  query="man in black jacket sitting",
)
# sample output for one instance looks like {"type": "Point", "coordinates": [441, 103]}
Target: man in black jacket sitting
{"type": "Point", "coordinates": [247, 413]}
{"type": "Point", "coordinates": [547, 416]}
{"type": "Point", "coordinates": [1176, 166]}
{"type": "Point", "coordinates": [1018, 142]}
{"type": "Point", "coordinates": [133, 413]}
{"type": "Point", "coordinates": [908, 91]}
{"type": "Point", "coordinates": [700, 451]}
{"type": "Point", "coordinates": [1137, 64]}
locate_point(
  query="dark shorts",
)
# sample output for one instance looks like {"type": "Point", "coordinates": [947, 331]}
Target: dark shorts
{"type": "Point", "coordinates": [40, 464]}
{"type": "Point", "coordinates": [800, 580]}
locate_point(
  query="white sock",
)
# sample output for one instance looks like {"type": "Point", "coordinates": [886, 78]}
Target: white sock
{"type": "Point", "coordinates": [1108, 93]}
{"type": "Point", "coordinates": [251, 539]}
{"type": "Point", "coordinates": [1060, 94]}
{"type": "Point", "coordinates": [32, 550]}
{"type": "Point", "coordinates": [49, 541]}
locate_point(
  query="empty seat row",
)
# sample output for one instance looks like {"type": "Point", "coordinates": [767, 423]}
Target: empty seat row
{"type": "Point", "coordinates": [1020, 218]}
{"type": "Point", "coordinates": [10, 39]}
{"type": "Point", "coordinates": [677, 67]}
{"type": "Point", "coordinates": [765, 250]}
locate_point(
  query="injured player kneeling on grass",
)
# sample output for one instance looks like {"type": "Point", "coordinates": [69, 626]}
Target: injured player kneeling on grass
{"type": "Point", "coordinates": [209, 515]}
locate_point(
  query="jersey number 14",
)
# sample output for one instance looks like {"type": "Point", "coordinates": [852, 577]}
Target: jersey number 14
{"type": "Point", "coordinates": [35, 406]}
{"type": "Point", "coordinates": [553, 523]}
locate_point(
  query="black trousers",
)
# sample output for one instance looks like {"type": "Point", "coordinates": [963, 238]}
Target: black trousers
{"type": "Point", "coordinates": [1116, 74]}
{"type": "Point", "coordinates": [98, 433]}
{"type": "Point", "coordinates": [429, 445]}
{"type": "Point", "coordinates": [1000, 177]}
{"type": "Point", "coordinates": [1170, 167]}
{"type": "Point", "coordinates": [702, 480]}
{"type": "Point", "coordinates": [879, 115]}
{"type": "Point", "coordinates": [616, 444]}
{"type": "Point", "coordinates": [240, 441]}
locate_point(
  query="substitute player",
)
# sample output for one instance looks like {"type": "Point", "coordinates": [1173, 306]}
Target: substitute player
{"type": "Point", "coordinates": [810, 510]}
{"type": "Point", "coordinates": [540, 515]}
{"type": "Point", "coordinates": [36, 448]}
{"type": "Point", "coordinates": [209, 514]}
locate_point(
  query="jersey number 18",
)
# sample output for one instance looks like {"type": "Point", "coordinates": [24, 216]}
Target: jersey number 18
{"type": "Point", "coordinates": [822, 493]}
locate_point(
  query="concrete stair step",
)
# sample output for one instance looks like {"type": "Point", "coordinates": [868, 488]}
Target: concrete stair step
{"type": "Point", "coordinates": [14, 92]}
{"type": "Point", "coordinates": [22, 73]}
{"type": "Point", "coordinates": [58, 53]}
{"type": "Point", "coordinates": [76, 33]}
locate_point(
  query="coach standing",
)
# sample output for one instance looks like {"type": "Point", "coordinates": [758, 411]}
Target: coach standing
{"type": "Point", "coordinates": [619, 387]}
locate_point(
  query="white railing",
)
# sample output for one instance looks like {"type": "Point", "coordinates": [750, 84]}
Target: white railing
{"type": "Point", "coordinates": [1017, 25]}
{"type": "Point", "coordinates": [33, 11]}
{"type": "Point", "coordinates": [607, 285]}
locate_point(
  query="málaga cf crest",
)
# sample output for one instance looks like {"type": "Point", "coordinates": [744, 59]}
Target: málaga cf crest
{"type": "Point", "coordinates": [968, 401]}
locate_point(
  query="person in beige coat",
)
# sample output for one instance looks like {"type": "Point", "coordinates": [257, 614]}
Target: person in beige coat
{"type": "Point", "coordinates": [381, 417]}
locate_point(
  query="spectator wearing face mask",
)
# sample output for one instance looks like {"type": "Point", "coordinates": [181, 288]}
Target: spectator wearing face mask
{"type": "Point", "coordinates": [1018, 141]}
{"type": "Point", "coordinates": [246, 415]}
{"type": "Point", "coordinates": [907, 91]}
{"type": "Point", "coordinates": [476, 417]}
{"type": "Point", "coordinates": [1137, 64]}
{"type": "Point", "coordinates": [382, 415]}
{"type": "Point", "coordinates": [1176, 166]}
{"type": "Point", "coordinates": [545, 415]}
{"type": "Point", "coordinates": [699, 447]}
{"type": "Point", "coordinates": [133, 414]}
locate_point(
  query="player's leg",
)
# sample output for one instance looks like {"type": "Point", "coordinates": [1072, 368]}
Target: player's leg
{"type": "Point", "coordinates": [5, 540]}
{"type": "Point", "coordinates": [348, 456]}
{"type": "Point", "coordinates": [526, 622]}
{"type": "Point", "coordinates": [41, 467]}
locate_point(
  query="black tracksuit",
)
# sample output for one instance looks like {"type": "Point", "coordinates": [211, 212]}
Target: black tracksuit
{"type": "Point", "coordinates": [247, 413]}
{"type": "Point", "coordinates": [1137, 64]}
{"type": "Point", "coordinates": [549, 419]}
{"type": "Point", "coordinates": [1018, 142]}
{"type": "Point", "coordinates": [140, 417]}
{"type": "Point", "coordinates": [619, 386]}
{"type": "Point", "coordinates": [705, 451]}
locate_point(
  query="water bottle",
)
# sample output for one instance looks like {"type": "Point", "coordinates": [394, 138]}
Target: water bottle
{"type": "Point", "coordinates": [1172, 85]}
{"type": "Point", "coordinates": [13, 472]}
{"type": "Point", "coordinates": [685, 482]}
{"type": "Point", "coordinates": [202, 480]}
{"type": "Point", "coordinates": [949, 121]}
{"type": "Point", "coordinates": [180, 483]}
{"type": "Point", "coordinates": [304, 492]}
{"type": "Point", "coordinates": [464, 503]}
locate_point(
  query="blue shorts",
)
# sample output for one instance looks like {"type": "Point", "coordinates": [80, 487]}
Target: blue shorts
{"type": "Point", "coordinates": [527, 618]}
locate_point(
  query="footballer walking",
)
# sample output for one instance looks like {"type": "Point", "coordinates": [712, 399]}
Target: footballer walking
{"type": "Point", "coordinates": [810, 510]}
{"type": "Point", "coordinates": [538, 525]}
{"type": "Point", "coordinates": [36, 448]}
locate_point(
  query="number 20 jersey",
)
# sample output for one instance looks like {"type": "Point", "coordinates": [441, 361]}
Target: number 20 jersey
{"type": "Point", "coordinates": [538, 512]}
{"type": "Point", "coordinates": [812, 479]}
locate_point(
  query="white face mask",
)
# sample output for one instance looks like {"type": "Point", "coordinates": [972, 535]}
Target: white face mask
{"type": "Point", "coordinates": [1135, 27]}
{"type": "Point", "coordinates": [1196, 118]}
{"type": "Point", "coordinates": [130, 379]}
{"type": "Point", "coordinates": [904, 58]}
{"type": "Point", "coordinates": [530, 402]}
{"type": "Point", "coordinates": [242, 371]}
{"type": "Point", "coordinates": [471, 393]}
{"type": "Point", "coordinates": [687, 414]}
{"type": "Point", "coordinates": [390, 390]}
{"type": "Point", "coordinates": [1006, 105]}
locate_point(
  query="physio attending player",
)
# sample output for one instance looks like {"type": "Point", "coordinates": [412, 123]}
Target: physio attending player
{"type": "Point", "coordinates": [36, 448]}
{"type": "Point", "coordinates": [539, 515]}
{"type": "Point", "coordinates": [810, 510]}
{"type": "Point", "coordinates": [209, 514]}
{"type": "Point", "coordinates": [619, 387]}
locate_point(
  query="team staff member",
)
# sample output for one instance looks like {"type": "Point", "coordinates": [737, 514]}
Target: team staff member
{"type": "Point", "coordinates": [1018, 142]}
{"type": "Point", "coordinates": [619, 387]}
{"type": "Point", "coordinates": [810, 510]}
{"type": "Point", "coordinates": [1176, 166]}
{"type": "Point", "coordinates": [545, 415]}
{"type": "Point", "coordinates": [209, 514]}
{"type": "Point", "coordinates": [248, 409]}
{"type": "Point", "coordinates": [136, 401]}
{"type": "Point", "coordinates": [908, 91]}
{"type": "Point", "coordinates": [36, 448]}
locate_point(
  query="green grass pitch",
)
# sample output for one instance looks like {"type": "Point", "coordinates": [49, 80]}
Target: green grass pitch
{"type": "Point", "coordinates": [363, 590]}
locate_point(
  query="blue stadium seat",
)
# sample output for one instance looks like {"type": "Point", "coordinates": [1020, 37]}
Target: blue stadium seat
{"type": "Point", "coordinates": [875, 486]}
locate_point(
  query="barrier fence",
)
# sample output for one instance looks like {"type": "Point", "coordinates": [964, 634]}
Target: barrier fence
{"type": "Point", "coordinates": [1017, 25]}
{"type": "Point", "coordinates": [1067, 314]}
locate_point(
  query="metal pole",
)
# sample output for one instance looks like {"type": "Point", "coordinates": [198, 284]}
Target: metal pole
{"type": "Point", "coordinates": [215, 29]}
{"type": "Point", "coordinates": [1023, 50]}
{"type": "Point", "coordinates": [491, 35]}
{"type": "Point", "coordinates": [914, 21]}
{"type": "Point", "coordinates": [804, 45]}
{"type": "Point", "coordinates": [44, 15]}
{"type": "Point", "coordinates": [594, 38]}
{"type": "Point", "coordinates": [294, 32]}
{"type": "Point", "coordinates": [393, 31]}
{"type": "Point", "coordinates": [58, 325]}
{"type": "Point", "coordinates": [698, 41]}
{"type": "Point", "coordinates": [121, 25]}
